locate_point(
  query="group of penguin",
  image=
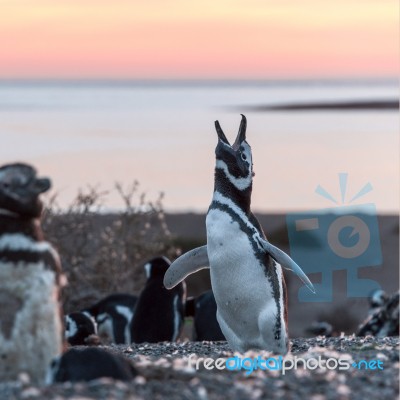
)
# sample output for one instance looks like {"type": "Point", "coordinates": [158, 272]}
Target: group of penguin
{"type": "Point", "coordinates": [156, 315]}
{"type": "Point", "coordinates": [33, 339]}
{"type": "Point", "coordinates": [248, 305]}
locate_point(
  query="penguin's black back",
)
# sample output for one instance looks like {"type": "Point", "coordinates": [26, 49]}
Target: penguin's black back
{"type": "Point", "coordinates": [88, 364]}
{"type": "Point", "coordinates": [159, 312]}
{"type": "Point", "coordinates": [206, 326]}
{"type": "Point", "coordinates": [123, 299]}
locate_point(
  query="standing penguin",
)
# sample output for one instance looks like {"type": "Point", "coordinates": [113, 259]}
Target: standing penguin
{"type": "Point", "coordinates": [246, 274]}
{"type": "Point", "coordinates": [159, 312]}
{"type": "Point", "coordinates": [31, 327]}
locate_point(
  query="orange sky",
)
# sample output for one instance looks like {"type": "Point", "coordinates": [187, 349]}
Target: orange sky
{"type": "Point", "coordinates": [198, 39]}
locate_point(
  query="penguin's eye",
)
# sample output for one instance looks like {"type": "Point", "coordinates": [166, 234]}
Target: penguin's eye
{"type": "Point", "coordinates": [244, 158]}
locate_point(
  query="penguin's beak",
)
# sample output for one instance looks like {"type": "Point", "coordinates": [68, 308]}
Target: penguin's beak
{"type": "Point", "coordinates": [241, 136]}
{"type": "Point", "coordinates": [41, 185]}
{"type": "Point", "coordinates": [220, 133]}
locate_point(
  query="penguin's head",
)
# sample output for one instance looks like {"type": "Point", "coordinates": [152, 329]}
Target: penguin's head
{"type": "Point", "coordinates": [79, 326]}
{"type": "Point", "coordinates": [378, 298]}
{"type": "Point", "coordinates": [157, 267]}
{"type": "Point", "coordinates": [20, 189]}
{"type": "Point", "coordinates": [235, 161]}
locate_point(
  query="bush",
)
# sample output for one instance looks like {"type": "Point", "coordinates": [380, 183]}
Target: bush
{"type": "Point", "coordinates": [102, 252]}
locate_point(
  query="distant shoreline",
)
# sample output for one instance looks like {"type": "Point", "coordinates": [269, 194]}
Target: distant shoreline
{"type": "Point", "coordinates": [356, 105]}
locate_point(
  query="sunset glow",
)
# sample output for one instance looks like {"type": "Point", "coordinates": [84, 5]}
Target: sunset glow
{"type": "Point", "coordinates": [208, 39]}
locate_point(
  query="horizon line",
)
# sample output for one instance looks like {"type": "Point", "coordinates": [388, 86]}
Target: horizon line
{"type": "Point", "coordinates": [105, 81]}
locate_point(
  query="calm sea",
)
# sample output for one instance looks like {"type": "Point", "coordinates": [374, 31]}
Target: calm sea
{"type": "Point", "coordinates": [162, 134]}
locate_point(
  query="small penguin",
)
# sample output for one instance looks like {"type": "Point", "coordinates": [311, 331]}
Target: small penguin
{"type": "Point", "coordinates": [203, 309]}
{"type": "Point", "coordinates": [78, 327]}
{"type": "Point", "coordinates": [88, 364]}
{"type": "Point", "coordinates": [113, 315]}
{"type": "Point", "coordinates": [159, 313]}
{"type": "Point", "coordinates": [384, 321]}
{"type": "Point", "coordinates": [320, 329]}
{"type": "Point", "coordinates": [246, 274]}
{"type": "Point", "coordinates": [31, 321]}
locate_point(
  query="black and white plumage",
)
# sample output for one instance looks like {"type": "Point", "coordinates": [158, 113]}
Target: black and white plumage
{"type": "Point", "coordinates": [113, 316]}
{"type": "Point", "coordinates": [159, 313]}
{"type": "Point", "coordinates": [376, 300]}
{"type": "Point", "coordinates": [78, 327]}
{"type": "Point", "coordinates": [88, 364]}
{"type": "Point", "coordinates": [384, 321]}
{"type": "Point", "coordinates": [246, 273]}
{"type": "Point", "coordinates": [320, 328]}
{"type": "Point", "coordinates": [203, 309]}
{"type": "Point", "coordinates": [31, 322]}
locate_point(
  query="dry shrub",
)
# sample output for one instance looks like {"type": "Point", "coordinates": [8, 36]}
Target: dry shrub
{"type": "Point", "coordinates": [103, 253]}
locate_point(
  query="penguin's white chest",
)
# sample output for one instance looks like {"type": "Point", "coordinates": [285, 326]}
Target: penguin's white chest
{"type": "Point", "coordinates": [235, 270]}
{"type": "Point", "coordinates": [247, 309]}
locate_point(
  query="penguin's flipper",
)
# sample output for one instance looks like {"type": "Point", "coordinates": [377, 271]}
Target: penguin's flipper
{"type": "Point", "coordinates": [187, 264]}
{"type": "Point", "coordinates": [286, 262]}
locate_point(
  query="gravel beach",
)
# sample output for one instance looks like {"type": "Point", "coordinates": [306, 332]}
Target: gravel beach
{"type": "Point", "coordinates": [164, 372]}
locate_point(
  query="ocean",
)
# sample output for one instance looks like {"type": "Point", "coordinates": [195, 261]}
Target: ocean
{"type": "Point", "coordinates": [161, 133]}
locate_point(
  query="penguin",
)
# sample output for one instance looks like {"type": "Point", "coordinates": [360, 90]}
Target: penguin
{"type": "Point", "coordinates": [113, 316]}
{"type": "Point", "coordinates": [245, 269]}
{"type": "Point", "coordinates": [203, 309]}
{"type": "Point", "coordinates": [88, 364]}
{"type": "Point", "coordinates": [320, 328]}
{"type": "Point", "coordinates": [376, 300]}
{"type": "Point", "coordinates": [384, 321]}
{"type": "Point", "coordinates": [78, 327]}
{"type": "Point", "coordinates": [159, 312]}
{"type": "Point", "coordinates": [31, 318]}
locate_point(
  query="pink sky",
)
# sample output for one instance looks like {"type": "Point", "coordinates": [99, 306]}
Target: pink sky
{"type": "Point", "coordinates": [207, 39]}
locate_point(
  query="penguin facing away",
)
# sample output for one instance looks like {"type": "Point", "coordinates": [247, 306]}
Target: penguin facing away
{"type": "Point", "coordinates": [203, 309]}
{"type": "Point", "coordinates": [31, 322]}
{"type": "Point", "coordinates": [159, 312]}
{"type": "Point", "coordinates": [246, 274]}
